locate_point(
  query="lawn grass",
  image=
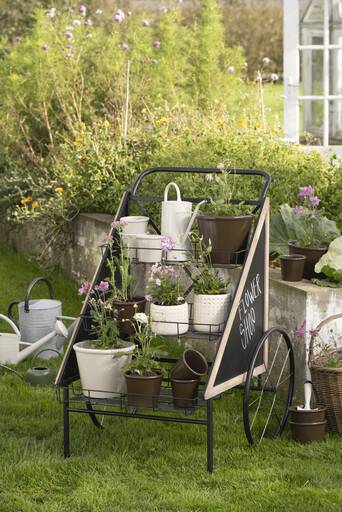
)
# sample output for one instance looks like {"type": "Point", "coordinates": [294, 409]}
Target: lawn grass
{"type": "Point", "coordinates": [137, 465]}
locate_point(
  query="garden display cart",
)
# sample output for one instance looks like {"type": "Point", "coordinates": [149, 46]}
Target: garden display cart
{"type": "Point", "coordinates": [249, 354]}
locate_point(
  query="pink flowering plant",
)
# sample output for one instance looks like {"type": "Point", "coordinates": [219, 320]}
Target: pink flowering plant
{"type": "Point", "coordinates": [164, 285]}
{"type": "Point", "coordinates": [104, 325]}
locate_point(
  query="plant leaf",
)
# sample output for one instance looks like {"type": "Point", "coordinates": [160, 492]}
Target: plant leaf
{"type": "Point", "coordinates": [331, 262]}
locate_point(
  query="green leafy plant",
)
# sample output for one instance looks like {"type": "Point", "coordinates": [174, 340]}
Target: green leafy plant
{"type": "Point", "coordinates": [145, 352]}
{"type": "Point", "coordinates": [165, 286]}
{"type": "Point", "coordinates": [206, 279]}
{"type": "Point", "coordinates": [331, 265]}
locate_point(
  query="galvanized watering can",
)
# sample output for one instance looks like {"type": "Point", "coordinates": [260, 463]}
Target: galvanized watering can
{"type": "Point", "coordinates": [10, 344]}
{"type": "Point", "coordinates": [176, 221]}
{"type": "Point", "coordinates": [37, 318]}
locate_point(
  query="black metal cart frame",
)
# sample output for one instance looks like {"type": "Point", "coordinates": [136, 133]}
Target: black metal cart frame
{"type": "Point", "coordinates": [257, 370]}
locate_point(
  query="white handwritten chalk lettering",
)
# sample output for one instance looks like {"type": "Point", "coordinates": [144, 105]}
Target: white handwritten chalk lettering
{"type": "Point", "coordinates": [247, 312]}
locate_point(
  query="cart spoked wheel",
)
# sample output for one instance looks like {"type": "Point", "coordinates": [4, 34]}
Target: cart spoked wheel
{"type": "Point", "coordinates": [269, 386]}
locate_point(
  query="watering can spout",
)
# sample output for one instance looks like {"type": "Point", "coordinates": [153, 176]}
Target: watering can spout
{"type": "Point", "coordinates": [186, 234]}
{"type": "Point", "coordinates": [60, 330]}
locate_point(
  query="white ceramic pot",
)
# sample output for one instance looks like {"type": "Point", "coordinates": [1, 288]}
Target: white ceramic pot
{"type": "Point", "coordinates": [210, 312]}
{"type": "Point", "coordinates": [135, 224]}
{"type": "Point", "coordinates": [149, 248]}
{"type": "Point", "coordinates": [100, 373]}
{"type": "Point", "coordinates": [170, 320]}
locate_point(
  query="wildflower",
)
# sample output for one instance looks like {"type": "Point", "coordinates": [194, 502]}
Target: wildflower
{"type": "Point", "coordinates": [69, 34]}
{"type": "Point", "coordinates": [125, 47]}
{"type": "Point", "coordinates": [243, 44]}
{"type": "Point", "coordinates": [83, 289]}
{"type": "Point", "coordinates": [275, 129]}
{"type": "Point", "coordinates": [82, 124]}
{"type": "Point", "coordinates": [161, 134]}
{"type": "Point", "coordinates": [149, 298]}
{"type": "Point", "coordinates": [129, 13]}
{"type": "Point", "coordinates": [314, 201]}
{"type": "Point", "coordinates": [141, 317]}
{"type": "Point", "coordinates": [209, 177]}
{"type": "Point", "coordinates": [59, 189]}
{"type": "Point", "coordinates": [298, 210]}
{"type": "Point", "coordinates": [314, 332]}
{"type": "Point", "coordinates": [119, 16]}
{"type": "Point", "coordinates": [167, 244]}
{"type": "Point", "coordinates": [76, 23]}
{"type": "Point", "coordinates": [266, 60]}
{"type": "Point", "coordinates": [274, 77]}
{"type": "Point", "coordinates": [305, 192]}
{"type": "Point", "coordinates": [83, 158]}
{"type": "Point", "coordinates": [230, 69]}
{"type": "Point", "coordinates": [143, 111]}
{"type": "Point", "coordinates": [68, 55]}
{"type": "Point", "coordinates": [74, 50]}
{"type": "Point", "coordinates": [145, 23]}
{"type": "Point", "coordinates": [98, 11]}
{"type": "Point", "coordinates": [118, 223]}
{"type": "Point", "coordinates": [242, 122]}
{"type": "Point", "coordinates": [78, 139]}
{"type": "Point", "coordinates": [82, 9]}
{"type": "Point", "coordinates": [106, 123]}
{"type": "Point", "coordinates": [301, 329]}
{"type": "Point", "coordinates": [26, 200]}
{"type": "Point", "coordinates": [220, 166]}
{"type": "Point", "coordinates": [220, 121]}
{"type": "Point", "coordinates": [71, 10]}
{"type": "Point", "coordinates": [45, 47]}
{"type": "Point", "coordinates": [88, 22]}
{"type": "Point", "coordinates": [89, 35]}
{"type": "Point", "coordinates": [34, 204]}
{"type": "Point", "coordinates": [178, 1]}
{"type": "Point", "coordinates": [256, 126]}
{"type": "Point", "coordinates": [52, 12]}
{"type": "Point", "coordinates": [180, 299]}
{"type": "Point", "coordinates": [102, 287]}
{"type": "Point", "coordinates": [162, 9]}
{"type": "Point", "coordinates": [162, 120]}
{"type": "Point", "coordinates": [182, 105]}
{"type": "Point", "coordinates": [156, 44]}
{"type": "Point", "coordinates": [17, 38]}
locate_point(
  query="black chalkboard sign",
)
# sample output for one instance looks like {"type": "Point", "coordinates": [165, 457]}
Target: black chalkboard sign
{"type": "Point", "coordinates": [247, 320]}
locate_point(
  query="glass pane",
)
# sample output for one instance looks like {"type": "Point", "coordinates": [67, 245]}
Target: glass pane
{"type": "Point", "coordinates": [336, 71]}
{"type": "Point", "coordinates": [311, 69]}
{"type": "Point", "coordinates": [311, 119]}
{"type": "Point", "coordinates": [313, 12]}
{"type": "Point", "coordinates": [335, 129]}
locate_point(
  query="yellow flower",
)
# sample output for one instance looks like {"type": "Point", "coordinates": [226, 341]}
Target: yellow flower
{"type": "Point", "coordinates": [220, 121]}
{"type": "Point", "coordinates": [162, 120]}
{"type": "Point", "coordinates": [182, 105]}
{"type": "Point", "coordinates": [59, 189]}
{"type": "Point", "coordinates": [242, 122]}
{"type": "Point", "coordinates": [34, 204]}
{"type": "Point", "coordinates": [78, 139]}
{"type": "Point", "coordinates": [82, 124]}
{"type": "Point", "coordinates": [161, 134]}
{"type": "Point", "coordinates": [229, 132]}
{"type": "Point", "coordinates": [143, 111]}
{"type": "Point", "coordinates": [75, 143]}
{"type": "Point", "coordinates": [26, 200]}
{"type": "Point", "coordinates": [256, 126]}
{"type": "Point", "coordinates": [106, 123]}
{"type": "Point", "coordinates": [83, 158]}
{"type": "Point", "coordinates": [275, 129]}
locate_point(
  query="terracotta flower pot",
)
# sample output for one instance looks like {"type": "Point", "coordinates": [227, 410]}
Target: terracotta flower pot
{"type": "Point", "coordinates": [191, 365]}
{"type": "Point", "coordinates": [292, 266]}
{"type": "Point", "coordinates": [143, 390]}
{"type": "Point", "coordinates": [228, 235]}
{"type": "Point", "coordinates": [126, 312]}
{"type": "Point", "coordinates": [313, 254]}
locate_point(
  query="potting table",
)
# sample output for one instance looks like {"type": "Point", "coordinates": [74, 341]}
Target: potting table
{"type": "Point", "coordinates": [248, 352]}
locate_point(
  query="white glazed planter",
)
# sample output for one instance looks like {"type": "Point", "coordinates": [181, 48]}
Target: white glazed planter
{"type": "Point", "coordinates": [169, 320]}
{"type": "Point", "coordinates": [99, 371]}
{"type": "Point", "coordinates": [149, 248]}
{"type": "Point", "coordinates": [135, 224]}
{"type": "Point", "coordinates": [210, 312]}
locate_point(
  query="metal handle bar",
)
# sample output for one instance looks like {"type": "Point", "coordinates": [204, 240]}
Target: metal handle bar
{"type": "Point", "coordinates": [35, 281]}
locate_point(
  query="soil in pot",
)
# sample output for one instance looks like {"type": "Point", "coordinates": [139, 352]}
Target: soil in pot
{"type": "Point", "coordinates": [126, 312]}
{"type": "Point", "coordinates": [313, 254]}
{"type": "Point", "coordinates": [228, 235]}
{"type": "Point", "coordinates": [143, 390]}
{"type": "Point", "coordinates": [292, 266]}
{"type": "Point", "coordinates": [184, 392]}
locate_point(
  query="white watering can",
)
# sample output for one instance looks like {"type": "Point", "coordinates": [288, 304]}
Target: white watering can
{"type": "Point", "coordinates": [176, 222]}
{"type": "Point", "coordinates": [10, 344]}
{"type": "Point", "coordinates": [37, 318]}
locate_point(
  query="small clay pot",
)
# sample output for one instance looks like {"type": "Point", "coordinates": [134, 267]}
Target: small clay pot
{"type": "Point", "coordinates": [313, 254]}
{"type": "Point", "coordinates": [184, 392]}
{"type": "Point", "coordinates": [191, 365]}
{"type": "Point", "coordinates": [315, 415]}
{"type": "Point", "coordinates": [143, 390]}
{"type": "Point", "coordinates": [126, 312]}
{"type": "Point", "coordinates": [292, 266]}
{"type": "Point", "coordinates": [308, 432]}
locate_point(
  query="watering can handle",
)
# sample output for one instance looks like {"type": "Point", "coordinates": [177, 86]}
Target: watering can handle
{"type": "Point", "coordinates": [35, 281]}
{"type": "Point", "coordinates": [45, 350]}
{"type": "Point", "coordinates": [12, 324]}
{"type": "Point", "coordinates": [9, 312]}
{"type": "Point", "coordinates": [167, 190]}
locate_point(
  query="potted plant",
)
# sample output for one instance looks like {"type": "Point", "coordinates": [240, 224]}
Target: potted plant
{"type": "Point", "coordinates": [169, 311]}
{"type": "Point", "coordinates": [211, 300]}
{"type": "Point", "coordinates": [143, 380]}
{"type": "Point", "coordinates": [100, 359]}
{"type": "Point", "coordinates": [303, 230]}
{"type": "Point", "coordinates": [119, 261]}
{"type": "Point", "coordinates": [226, 223]}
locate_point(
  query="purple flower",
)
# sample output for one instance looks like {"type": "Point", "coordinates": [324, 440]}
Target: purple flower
{"type": "Point", "coordinates": [69, 28]}
{"type": "Point", "coordinates": [76, 22]}
{"type": "Point", "coordinates": [162, 9]}
{"type": "Point", "coordinates": [145, 23]}
{"type": "Point", "coordinates": [305, 192]}
{"type": "Point", "coordinates": [82, 9]}
{"type": "Point", "coordinates": [209, 177]}
{"type": "Point", "coordinates": [18, 38]}
{"type": "Point", "coordinates": [69, 46]}
{"type": "Point", "coordinates": [68, 55]}
{"type": "Point", "coordinates": [243, 44]}
{"type": "Point", "coordinates": [102, 287]}
{"type": "Point", "coordinates": [98, 11]}
{"type": "Point", "coordinates": [74, 50]}
{"type": "Point", "coordinates": [180, 299]}
{"type": "Point", "coordinates": [71, 10]}
{"type": "Point", "coordinates": [119, 16]}
{"type": "Point", "coordinates": [69, 34]}
{"type": "Point", "coordinates": [314, 332]}
{"type": "Point", "coordinates": [125, 47]}
{"type": "Point", "coordinates": [230, 69]}
{"type": "Point", "coordinates": [88, 22]}
{"type": "Point", "coordinates": [301, 329]}
{"type": "Point", "coordinates": [118, 223]}
{"type": "Point", "coordinates": [83, 289]}
{"type": "Point", "coordinates": [298, 210]}
{"type": "Point", "coordinates": [274, 77]}
{"type": "Point", "coordinates": [167, 244]}
{"type": "Point", "coordinates": [45, 47]}
{"type": "Point", "coordinates": [314, 201]}
{"type": "Point", "coordinates": [156, 44]}
{"type": "Point", "coordinates": [129, 13]}
{"type": "Point", "coordinates": [52, 12]}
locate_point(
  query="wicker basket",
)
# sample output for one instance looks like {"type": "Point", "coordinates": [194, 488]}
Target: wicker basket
{"type": "Point", "coordinates": [327, 383]}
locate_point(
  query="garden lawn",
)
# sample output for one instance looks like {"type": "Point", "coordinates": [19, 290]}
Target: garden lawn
{"type": "Point", "coordinates": [137, 465]}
